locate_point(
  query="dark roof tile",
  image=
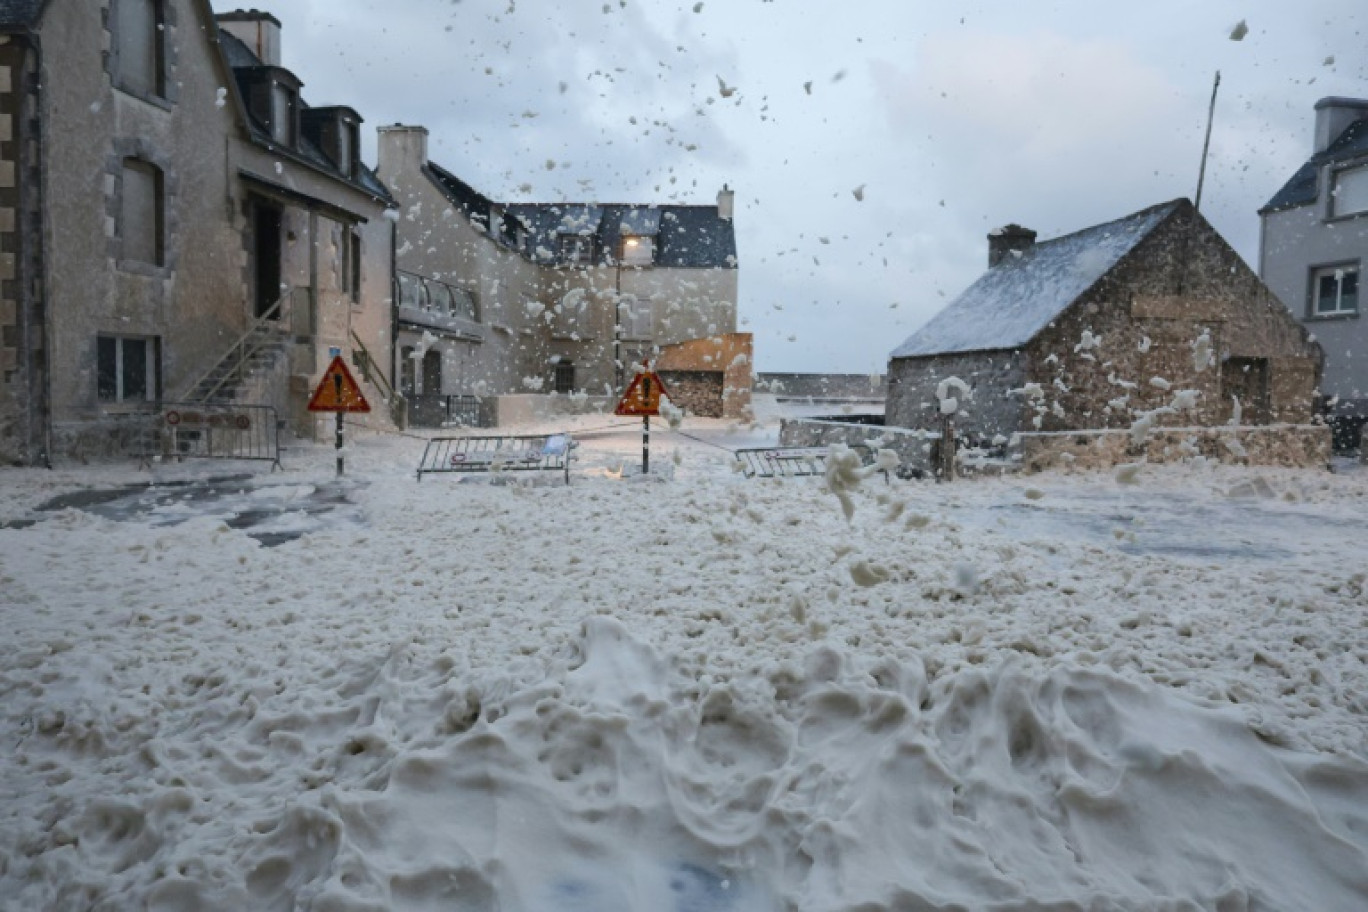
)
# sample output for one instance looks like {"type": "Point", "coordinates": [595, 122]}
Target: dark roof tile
{"type": "Point", "coordinates": [1304, 187]}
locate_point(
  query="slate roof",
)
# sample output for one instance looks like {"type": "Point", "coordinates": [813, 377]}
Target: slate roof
{"type": "Point", "coordinates": [19, 13]}
{"type": "Point", "coordinates": [686, 236]}
{"type": "Point", "coordinates": [1303, 188]}
{"type": "Point", "coordinates": [1019, 297]}
{"type": "Point", "coordinates": [240, 57]}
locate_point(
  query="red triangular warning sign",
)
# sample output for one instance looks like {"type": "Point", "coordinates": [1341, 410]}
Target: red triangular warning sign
{"type": "Point", "coordinates": [338, 391]}
{"type": "Point", "coordinates": [643, 396]}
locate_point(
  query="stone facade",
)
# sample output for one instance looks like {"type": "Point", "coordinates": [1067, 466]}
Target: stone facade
{"type": "Point", "coordinates": [1126, 346]}
{"type": "Point", "coordinates": [1314, 234]}
{"type": "Point", "coordinates": [127, 241]}
{"type": "Point", "coordinates": [529, 320]}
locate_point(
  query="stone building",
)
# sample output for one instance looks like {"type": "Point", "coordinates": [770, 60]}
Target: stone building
{"type": "Point", "coordinates": [1149, 321]}
{"type": "Point", "coordinates": [162, 186]}
{"type": "Point", "coordinates": [1311, 254]}
{"type": "Point", "coordinates": [498, 300]}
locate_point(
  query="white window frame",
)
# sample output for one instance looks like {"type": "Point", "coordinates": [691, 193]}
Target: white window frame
{"type": "Point", "coordinates": [152, 353]}
{"type": "Point", "coordinates": [1341, 205]}
{"type": "Point", "coordinates": [575, 249]}
{"type": "Point", "coordinates": [1337, 272]}
{"type": "Point", "coordinates": [638, 317]}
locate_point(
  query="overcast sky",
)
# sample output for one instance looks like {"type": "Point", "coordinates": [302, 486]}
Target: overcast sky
{"type": "Point", "coordinates": [953, 118]}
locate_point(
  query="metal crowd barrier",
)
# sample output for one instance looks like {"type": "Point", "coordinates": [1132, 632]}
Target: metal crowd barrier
{"type": "Point", "coordinates": [532, 453]}
{"type": "Point", "coordinates": [792, 462]}
{"type": "Point", "coordinates": [195, 430]}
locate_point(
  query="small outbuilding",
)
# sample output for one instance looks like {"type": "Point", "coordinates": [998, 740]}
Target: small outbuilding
{"type": "Point", "coordinates": [1146, 337]}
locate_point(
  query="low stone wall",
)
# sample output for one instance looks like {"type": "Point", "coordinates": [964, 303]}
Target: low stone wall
{"type": "Point", "coordinates": [915, 449]}
{"type": "Point", "coordinates": [1291, 445]}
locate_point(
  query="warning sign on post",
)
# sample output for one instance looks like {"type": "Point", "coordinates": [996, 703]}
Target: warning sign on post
{"type": "Point", "coordinates": [338, 391]}
{"type": "Point", "coordinates": [642, 398]}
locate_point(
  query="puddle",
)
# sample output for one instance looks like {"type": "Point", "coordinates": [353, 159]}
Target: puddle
{"type": "Point", "coordinates": [271, 514]}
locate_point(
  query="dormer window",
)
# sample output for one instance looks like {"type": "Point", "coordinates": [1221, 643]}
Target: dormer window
{"type": "Point", "coordinates": [576, 250]}
{"type": "Point", "coordinates": [638, 250]}
{"type": "Point", "coordinates": [272, 95]}
{"type": "Point", "coordinates": [1349, 191]}
{"type": "Point", "coordinates": [336, 132]}
{"type": "Point", "coordinates": [284, 117]}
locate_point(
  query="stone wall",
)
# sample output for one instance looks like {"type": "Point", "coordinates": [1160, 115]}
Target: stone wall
{"type": "Point", "coordinates": [728, 355]}
{"type": "Point", "coordinates": [697, 392]}
{"type": "Point", "coordinates": [991, 411]}
{"type": "Point", "coordinates": [1297, 446]}
{"type": "Point", "coordinates": [915, 448]}
{"type": "Point", "coordinates": [23, 349]}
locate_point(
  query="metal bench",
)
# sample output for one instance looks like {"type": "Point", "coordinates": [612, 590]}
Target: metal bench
{"type": "Point", "coordinates": [792, 462]}
{"type": "Point", "coordinates": [530, 453]}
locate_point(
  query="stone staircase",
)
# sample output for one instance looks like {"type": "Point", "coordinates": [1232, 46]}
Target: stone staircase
{"type": "Point", "coordinates": [259, 351]}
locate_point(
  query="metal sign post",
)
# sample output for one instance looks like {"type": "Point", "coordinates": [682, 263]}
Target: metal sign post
{"type": "Point", "coordinates": [338, 392]}
{"type": "Point", "coordinates": [646, 428]}
{"type": "Point", "coordinates": [337, 389]}
{"type": "Point", "coordinates": [643, 398]}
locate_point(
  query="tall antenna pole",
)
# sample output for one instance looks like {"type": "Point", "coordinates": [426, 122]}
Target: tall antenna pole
{"type": "Point", "coordinates": [1211, 115]}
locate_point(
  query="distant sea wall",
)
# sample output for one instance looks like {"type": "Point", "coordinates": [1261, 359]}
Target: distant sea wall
{"type": "Point", "coordinates": [837, 387]}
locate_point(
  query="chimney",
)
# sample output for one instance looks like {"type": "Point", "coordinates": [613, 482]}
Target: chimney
{"type": "Point", "coordinates": [1006, 239]}
{"type": "Point", "coordinates": [401, 150]}
{"type": "Point", "coordinates": [726, 203]}
{"type": "Point", "coordinates": [1333, 117]}
{"type": "Point", "coordinates": [258, 30]}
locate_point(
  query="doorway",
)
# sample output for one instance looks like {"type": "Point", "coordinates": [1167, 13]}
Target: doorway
{"type": "Point", "coordinates": [266, 250]}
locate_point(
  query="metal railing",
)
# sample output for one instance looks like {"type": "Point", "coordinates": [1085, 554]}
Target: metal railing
{"type": "Point", "coordinates": [262, 334]}
{"type": "Point", "coordinates": [793, 462]}
{"type": "Point", "coordinates": [527, 453]}
{"type": "Point", "coordinates": [197, 430]}
{"type": "Point", "coordinates": [366, 363]}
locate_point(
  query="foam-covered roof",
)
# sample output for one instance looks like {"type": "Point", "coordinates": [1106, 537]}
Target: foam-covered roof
{"type": "Point", "coordinates": [1019, 297]}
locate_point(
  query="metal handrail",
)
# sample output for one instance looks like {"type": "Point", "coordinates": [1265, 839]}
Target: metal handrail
{"type": "Point", "coordinates": [239, 348]}
{"type": "Point", "coordinates": [376, 377]}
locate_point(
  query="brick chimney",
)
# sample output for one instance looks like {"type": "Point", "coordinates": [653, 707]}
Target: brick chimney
{"type": "Point", "coordinates": [1333, 117]}
{"type": "Point", "coordinates": [258, 30]}
{"type": "Point", "coordinates": [1006, 239]}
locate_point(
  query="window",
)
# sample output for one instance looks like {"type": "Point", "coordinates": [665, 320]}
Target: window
{"type": "Point", "coordinates": [463, 304]}
{"type": "Point", "coordinates": [140, 212]}
{"type": "Point", "coordinates": [351, 264]}
{"type": "Point", "coordinates": [576, 249]}
{"type": "Point", "coordinates": [565, 377]}
{"type": "Point", "coordinates": [638, 317]}
{"type": "Point", "coordinates": [438, 297]}
{"type": "Point", "coordinates": [1334, 290]}
{"type": "Point", "coordinates": [126, 369]}
{"type": "Point", "coordinates": [284, 115]}
{"type": "Point", "coordinates": [638, 250]}
{"type": "Point", "coordinates": [139, 40]}
{"type": "Point", "coordinates": [410, 291]}
{"type": "Point", "coordinates": [1350, 191]}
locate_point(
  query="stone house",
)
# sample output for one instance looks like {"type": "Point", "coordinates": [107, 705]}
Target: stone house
{"type": "Point", "coordinates": [1149, 321]}
{"type": "Point", "coordinates": [162, 186]}
{"type": "Point", "coordinates": [1312, 248]}
{"type": "Point", "coordinates": [501, 300]}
